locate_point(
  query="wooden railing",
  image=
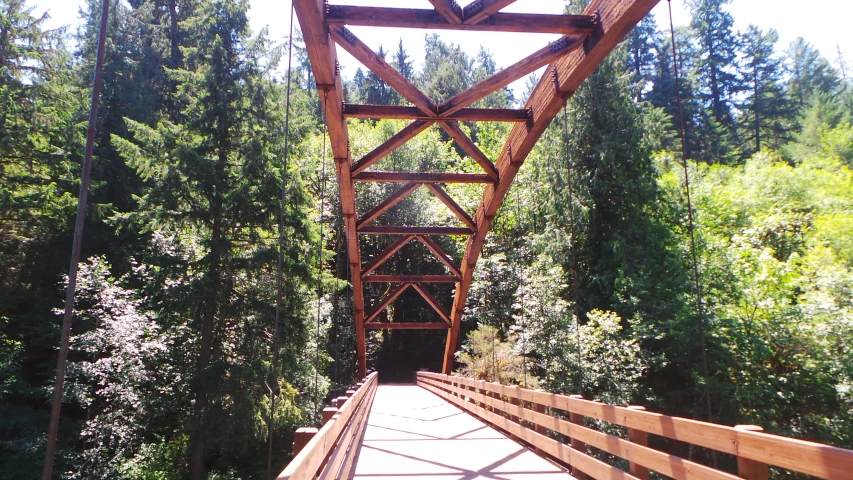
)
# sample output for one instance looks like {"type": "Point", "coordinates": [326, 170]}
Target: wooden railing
{"type": "Point", "coordinates": [529, 415]}
{"type": "Point", "coordinates": [331, 451]}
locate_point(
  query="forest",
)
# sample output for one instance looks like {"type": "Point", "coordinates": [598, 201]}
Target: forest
{"type": "Point", "coordinates": [212, 159]}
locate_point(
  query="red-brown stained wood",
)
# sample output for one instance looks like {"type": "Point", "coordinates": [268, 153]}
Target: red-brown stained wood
{"type": "Point", "coordinates": [439, 253]}
{"type": "Point", "coordinates": [616, 19]}
{"type": "Point", "coordinates": [398, 140]}
{"type": "Point", "coordinates": [383, 304]}
{"type": "Point", "coordinates": [405, 230]}
{"type": "Point", "coordinates": [508, 75]}
{"type": "Point", "coordinates": [464, 141]}
{"type": "Point", "coordinates": [411, 279]}
{"type": "Point", "coordinates": [449, 9]}
{"type": "Point", "coordinates": [406, 326]}
{"type": "Point", "coordinates": [386, 254]}
{"type": "Point", "coordinates": [421, 177]}
{"type": "Point", "coordinates": [387, 204]}
{"type": "Point", "coordinates": [442, 312]}
{"type": "Point", "coordinates": [432, 20]}
{"type": "Point", "coordinates": [454, 207]}
{"type": "Point", "coordinates": [370, 59]}
{"type": "Point", "coordinates": [477, 11]}
{"type": "Point", "coordinates": [413, 113]}
{"type": "Point", "coordinates": [323, 57]}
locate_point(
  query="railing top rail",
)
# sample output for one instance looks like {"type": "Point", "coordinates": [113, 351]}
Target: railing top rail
{"type": "Point", "coordinates": [307, 463]}
{"type": "Point", "coordinates": [801, 456]}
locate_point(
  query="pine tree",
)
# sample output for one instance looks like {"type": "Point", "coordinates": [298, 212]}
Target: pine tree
{"type": "Point", "coordinates": [716, 58]}
{"type": "Point", "coordinates": [403, 65]}
{"type": "Point", "coordinates": [808, 73]}
{"type": "Point", "coordinates": [765, 108]}
{"type": "Point", "coordinates": [642, 47]}
{"type": "Point", "coordinates": [211, 196]}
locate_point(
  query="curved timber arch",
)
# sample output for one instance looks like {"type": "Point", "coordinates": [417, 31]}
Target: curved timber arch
{"type": "Point", "coordinates": [586, 40]}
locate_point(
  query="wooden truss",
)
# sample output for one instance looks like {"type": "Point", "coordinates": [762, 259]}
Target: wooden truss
{"type": "Point", "coordinates": [585, 41]}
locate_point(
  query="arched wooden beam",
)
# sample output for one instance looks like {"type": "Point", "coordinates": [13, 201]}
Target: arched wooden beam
{"type": "Point", "coordinates": [617, 19]}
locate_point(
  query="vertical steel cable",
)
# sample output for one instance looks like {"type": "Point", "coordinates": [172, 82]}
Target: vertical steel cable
{"type": "Point", "coordinates": [320, 257]}
{"type": "Point", "coordinates": [575, 306]}
{"type": "Point", "coordinates": [279, 282]}
{"type": "Point", "coordinates": [690, 226]}
{"type": "Point", "coordinates": [70, 295]}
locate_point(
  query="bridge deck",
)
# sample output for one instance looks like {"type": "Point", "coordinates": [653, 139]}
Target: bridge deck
{"type": "Point", "coordinates": [413, 434]}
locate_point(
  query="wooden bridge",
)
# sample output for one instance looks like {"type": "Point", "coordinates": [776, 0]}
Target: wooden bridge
{"type": "Point", "coordinates": [447, 427]}
{"type": "Point", "coordinates": [454, 428]}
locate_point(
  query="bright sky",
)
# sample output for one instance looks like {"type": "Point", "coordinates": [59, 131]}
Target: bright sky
{"type": "Point", "coordinates": [827, 31]}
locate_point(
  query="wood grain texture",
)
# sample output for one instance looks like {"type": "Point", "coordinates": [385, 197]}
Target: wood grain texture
{"type": "Point", "coordinates": [432, 20]}
{"type": "Point", "coordinates": [414, 113]}
{"type": "Point", "coordinates": [421, 177]}
{"type": "Point", "coordinates": [323, 57]}
{"type": "Point", "coordinates": [306, 465]}
{"type": "Point", "coordinates": [616, 19]}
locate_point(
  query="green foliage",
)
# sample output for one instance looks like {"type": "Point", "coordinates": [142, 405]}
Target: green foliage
{"type": "Point", "coordinates": [487, 357]}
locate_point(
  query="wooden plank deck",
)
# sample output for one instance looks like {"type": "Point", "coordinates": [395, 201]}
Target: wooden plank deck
{"type": "Point", "coordinates": [414, 434]}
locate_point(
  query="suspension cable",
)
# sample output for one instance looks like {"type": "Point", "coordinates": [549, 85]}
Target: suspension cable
{"type": "Point", "coordinates": [572, 247]}
{"type": "Point", "coordinates": [76, 246]}
{"type": "Point", "coordinates": [279, 278]}
{"type": "Point", "coordinates": [690, 226]}
{"type": "Point", "coordinates": [521, 287]}
{"type": "Point", "coordinates": [320, 258]}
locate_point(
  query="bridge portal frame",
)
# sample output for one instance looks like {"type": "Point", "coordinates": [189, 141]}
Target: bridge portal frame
{"type": "Point", "coordinates": [587, 40]}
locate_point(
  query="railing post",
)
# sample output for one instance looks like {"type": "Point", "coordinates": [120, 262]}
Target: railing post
{"type": "Point", "coordinates": [539, 408]}
{"type": "Point", "coordinates": [350, 393]}
{"type": "Point", "coordinates": [340, 401]}
{"type": "Point", "coordinates": [301, 438]}
{"type": "Point", "coordinates": [640, 438]}
{"type": "Point", "coordinates": [577, 419]}
{"type": "Point", "coordinates": [751, 469]}
{"type": "Point", "coordinates": [328, 413]}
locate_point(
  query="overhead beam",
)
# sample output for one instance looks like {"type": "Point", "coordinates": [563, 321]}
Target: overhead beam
{"type": "Point", "coordinates": [386, 254]}
{"type": "Point", "coordinates": [439, 253]}
{"type": "Point", "coordinates": [383, 304]}
{"type": "Point", "coordinates": [432, 20]}
{"type": "Point", "coordinates": [442, 312]}
{"type": "Point", "coordinates": [387, 204]}
{"type": "Point", "coordinates": [616, 19]}
{"type": "Point", "coordinates": [322, 54]}
{"type": "Point", "coordinates": [449, 9]}
{"type": "Point", "coordinates": [398, 140]}
{"type": "Point", "coordinates": [519, 70]}
{"type": "Point", "coordinates": [464, 141]}
{"type": "Point", "coordinates": [406, 326]}
{"type": "Point", "coordinates": [454, 207]}
{"type": "Point", "coordinates": [421, 177]}
{"type": "Point", "coordinates": [411, 279]}
{"type": "Point", "coordinates": [370, 59]}
{"type": "Point", "coordinates": [479, 10]}
{"type": "Point", "coordinates": [403, 230]}
{"type": "Point", "coordinates": [414, 113]}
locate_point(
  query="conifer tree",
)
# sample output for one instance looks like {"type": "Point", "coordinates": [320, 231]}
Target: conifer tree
{"type": "Point", "coordinates": [765, 107]}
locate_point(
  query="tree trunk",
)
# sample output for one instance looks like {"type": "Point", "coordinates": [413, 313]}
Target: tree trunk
{"type": "Point", "coordinates": [197, 470]}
